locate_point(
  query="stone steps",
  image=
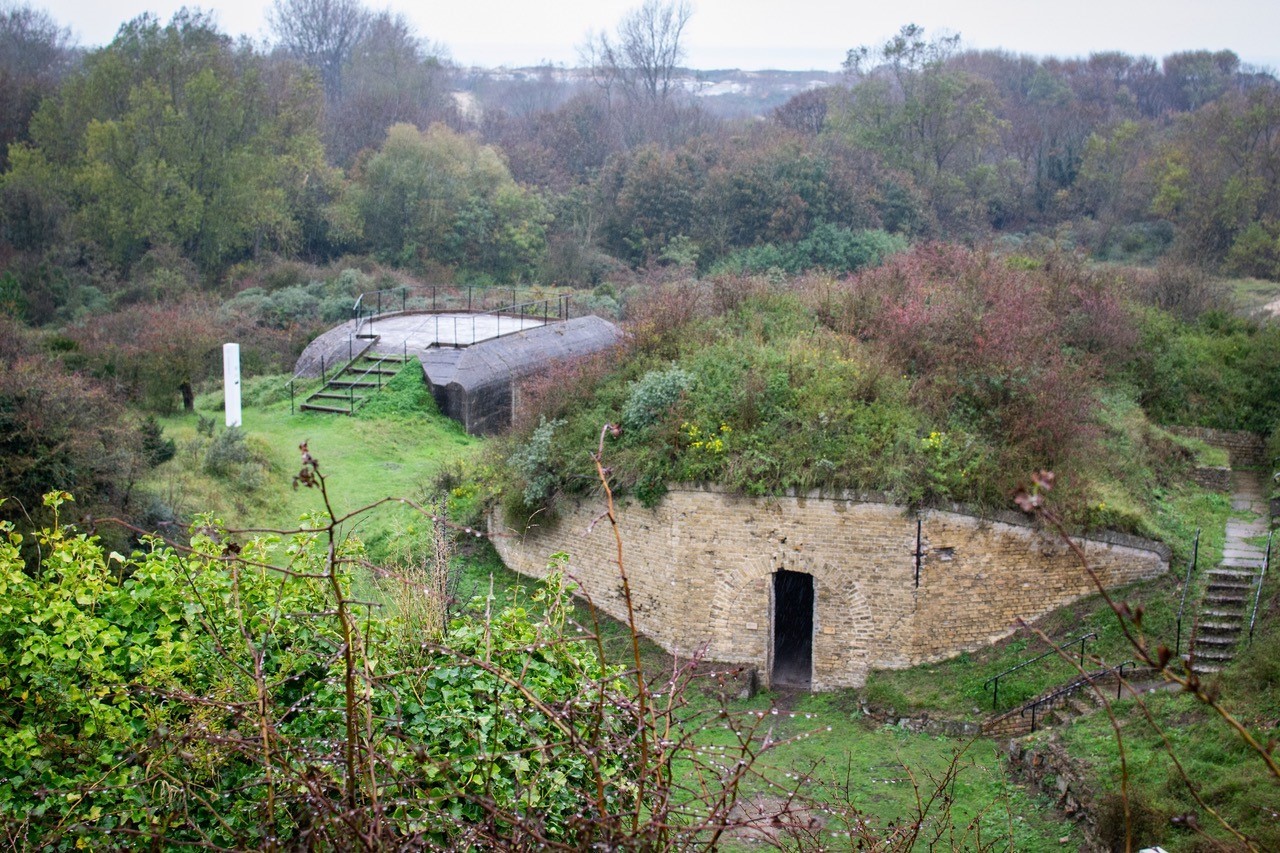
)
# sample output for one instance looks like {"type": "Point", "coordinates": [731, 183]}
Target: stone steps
{"type": "Point", "coordinates": [1230, 588]}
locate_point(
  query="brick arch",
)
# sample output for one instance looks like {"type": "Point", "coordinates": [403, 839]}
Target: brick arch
{"type": "Point", "coordinates": [843, 627]}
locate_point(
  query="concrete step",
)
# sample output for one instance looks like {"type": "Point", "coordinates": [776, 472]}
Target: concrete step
{"type": "Point", "coordinates": [1216, 640]}
{"type": "Point", "coordinates": [333, 395]}
{"type": "Point", "coordinates": [1215, 655]}
{"type": "Point", "coordinates": [1231, 573]}
{"type": "Point", "coordinates": [1222, 626]}
{"type": "Point", "coordinates": [1229, 583]}
{"type": "Point", "coordinates": [316, 408]}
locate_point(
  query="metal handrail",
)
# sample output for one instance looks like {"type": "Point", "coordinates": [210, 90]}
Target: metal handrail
{"type": "Point", "coordinates": [1257, 596]}
{"type": "Point", "coordinates": [369, 305]}
{"type": "Point", "coordinates": [995, 679]}
{"type": "Point", "coordinates": [324, 372]}
{"type": "Point", "coordinates": [1186, 586]}
{"type": "Point", "coordinates": [1087, 679]}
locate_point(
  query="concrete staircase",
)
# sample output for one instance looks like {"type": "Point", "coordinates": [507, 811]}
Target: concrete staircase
{"type": "Point", "coordinates": [347, 390]}
{"type": "Point", "coordinates": [1066, 702]}
{"type": "Point", "coordinates": [1230, 589]}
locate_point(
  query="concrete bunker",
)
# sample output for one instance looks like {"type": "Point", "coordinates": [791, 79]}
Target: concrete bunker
{"type": "Point", "coordinates": [479, 386]}
{"type": "Point", "coordinates": [475, 380]}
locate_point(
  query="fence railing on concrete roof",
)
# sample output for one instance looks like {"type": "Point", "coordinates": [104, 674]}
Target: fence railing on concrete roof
{"type": "Point", "coordinates": [443, 298]}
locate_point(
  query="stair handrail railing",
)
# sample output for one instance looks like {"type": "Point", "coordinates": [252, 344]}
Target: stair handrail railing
{"type": "Point", "coordinates": [326, 371]}
{"type": "Point", "coordinates": [1186, 587]}
{"type": "Point", "coordinates": [1085, 680]}
{"type": "Point", "coordinates": [1257, 596]}
{"type": "Point", "coordinates": [1057, 649]}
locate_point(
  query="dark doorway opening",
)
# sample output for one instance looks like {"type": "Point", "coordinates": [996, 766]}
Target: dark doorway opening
{"type": "Point", "coordinates": [792, 629]}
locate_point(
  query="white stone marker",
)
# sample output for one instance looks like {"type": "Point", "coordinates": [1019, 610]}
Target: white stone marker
{"type": "Point", "coordinates": [231, 379]}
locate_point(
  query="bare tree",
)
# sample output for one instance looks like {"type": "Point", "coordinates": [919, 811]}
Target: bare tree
{"type": "Point", "coordinates": [391, 76]}
{"type": "Point", "coordinates": [641, 59]}
{"type": "Point", "coordinates": [35, 52]}
{"type": "Point", "coordinates": [322, 33]}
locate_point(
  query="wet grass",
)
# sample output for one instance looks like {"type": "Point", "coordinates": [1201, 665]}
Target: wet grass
{"type": "Point", "coordinates": [391, 448]}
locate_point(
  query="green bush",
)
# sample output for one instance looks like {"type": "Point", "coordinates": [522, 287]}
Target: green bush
{"type": "Point", "coordinates": [203, 699]}
{"type": "Point", "coordinates": [828, 247]}
{"type": "Point", "coordinates": [232, 456]}
{"type": "Point", "coordinates": [531, 462]}
{"type": "Point", "coordinates": [652, 396]}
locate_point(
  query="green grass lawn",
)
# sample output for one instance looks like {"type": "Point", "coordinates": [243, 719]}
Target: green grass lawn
{"type": "Point", "coordinates": [393, 447]}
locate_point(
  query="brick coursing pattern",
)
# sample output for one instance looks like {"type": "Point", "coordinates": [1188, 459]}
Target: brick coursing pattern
{"type": "Point", "coordinates": [701, 566]}
{"type": "Point", "coordinates": [1244, 449]}
{"type": "Point", "coordinates": [1215, 478]}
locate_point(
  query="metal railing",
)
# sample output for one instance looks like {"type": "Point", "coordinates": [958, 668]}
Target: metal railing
{"type": "Point", "coordinates": [1257, 596]}
{"type": "Point", "coordinates": [332, 368]}
{"type": "Point", "coordinates": [1186, 587]}
{"type": "Point", "coordinates": [463, 331]}
{"type": "Point", "coordinates": [1056, 650]}
{"type": "Point", "coordinates": [1087, 679]}
{"type": "Point", "coordinates": [437, 298]}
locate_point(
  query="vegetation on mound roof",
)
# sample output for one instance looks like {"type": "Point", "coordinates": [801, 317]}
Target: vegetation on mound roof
{"type": "Point", "coordinates": [945, 375]}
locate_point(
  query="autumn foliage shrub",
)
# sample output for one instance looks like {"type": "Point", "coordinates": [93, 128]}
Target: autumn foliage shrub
{"type": "Point", "coordinates": [992, 347]}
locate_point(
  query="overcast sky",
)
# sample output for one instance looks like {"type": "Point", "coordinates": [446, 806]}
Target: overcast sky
{"type": "Point", "coordinates": [786, 34]}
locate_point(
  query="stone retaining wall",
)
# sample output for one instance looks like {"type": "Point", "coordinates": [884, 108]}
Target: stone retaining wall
{"type": "Point", "coordinates": [1047, 768]}
{"type": "Point", "coordinates": [1245, 449]}
{"type": "Point", "coordinates": [701, 566]}
{"type": "Point", "coordinates": [1216, 478]}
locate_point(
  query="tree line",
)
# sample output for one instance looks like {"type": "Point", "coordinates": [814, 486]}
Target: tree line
{"type": "Point", "coordinates": [181, 187]}
{"type": "Point", "coordinates": [344, 136]}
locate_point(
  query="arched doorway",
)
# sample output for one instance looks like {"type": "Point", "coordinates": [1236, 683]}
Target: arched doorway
{"type": "Point", "coordinates": [792, 629]}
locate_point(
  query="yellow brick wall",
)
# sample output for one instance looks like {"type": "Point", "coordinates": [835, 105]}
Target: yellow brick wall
{"type": "Point", "coordinates": [701, 565]}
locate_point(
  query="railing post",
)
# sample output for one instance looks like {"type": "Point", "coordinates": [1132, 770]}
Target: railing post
{"type": "Point", "coordinates": [1082, 642]}
{"type": "Point", "coordinates": [1033, 719]}
{"type": "Point", "coordinates": [404, 299]}
{"type": "Point", "coordinates": [918, 552]}
{"type": "Point", "coordinates": [433, 298]}
{"type": "Point", "coordinates": [468, 298]}
{"type": "Point", "coordinates": [1262, 576]}
{"type": "Point", "coordinates": [323, 379]}
{"type": "Point", "coordinates": [1186, 587]}
{"type": "Point", "coordinates": [995, 696]}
